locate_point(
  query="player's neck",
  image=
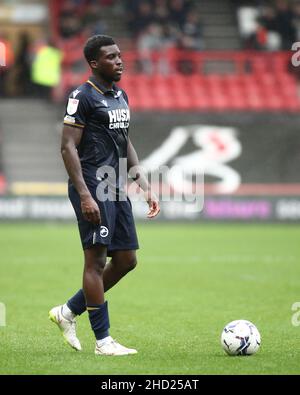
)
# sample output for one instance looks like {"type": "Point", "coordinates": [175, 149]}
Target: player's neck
{"type": "Point", "coordinates": [101, 81]}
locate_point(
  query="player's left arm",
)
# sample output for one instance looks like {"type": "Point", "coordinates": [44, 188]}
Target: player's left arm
{"type": "Point", "coordinates": [141, 179]}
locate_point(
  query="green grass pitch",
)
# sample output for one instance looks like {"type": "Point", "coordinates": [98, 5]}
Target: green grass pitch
{"type": "Point", "coordinates": [190, 281]}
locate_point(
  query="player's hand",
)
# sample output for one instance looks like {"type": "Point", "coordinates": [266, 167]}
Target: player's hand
{"type": "Point", "coordinates": [90, 210]}
{"type": "Point", "coordinates": [153, 204]}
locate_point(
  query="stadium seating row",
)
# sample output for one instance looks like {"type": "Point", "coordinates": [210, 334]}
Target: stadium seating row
{"type": "Point", "coordinates": [255, 81]}
{"type": "Point", "coordinates": [213, 92]}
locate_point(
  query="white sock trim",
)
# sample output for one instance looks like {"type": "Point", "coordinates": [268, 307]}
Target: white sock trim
{"type": "Point", "coordinates": [67, 313]}
{"type": "Point", "coordinates": [104, 340]}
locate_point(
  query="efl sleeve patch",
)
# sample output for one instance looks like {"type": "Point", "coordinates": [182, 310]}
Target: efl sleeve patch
{"type": "Point", "coordinates": [72, 106]}
{"type": "Point", "coordinates": [79, 110]}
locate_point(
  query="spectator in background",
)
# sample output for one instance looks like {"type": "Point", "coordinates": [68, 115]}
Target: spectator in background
{"type": "Point", "coordinates": [178, 10]}
{"type": "Point", "coordinates": [190, 38]}
{"type": "Point", "coordinates": [23, 65]}
{"type": "Point", "coordinates": [69, 20]}
{"type": "Point", "coordinates": [160, 25]}
{"type": "Point", "coordinates": [296, 19]}
{"type": "Point", "coordinates": [46, 69]}
{"type": "Point", "coordinates": [191, 35]}
{"type": "Point", "coordinates": [153, 39]}
{"type": "Point", "coordinates": [161, 12]}
{"type": "Point", "coordinates": [6, 63]}
{"type": "Point", "coordinates": [285, 24]}
{"type": "Point", "coordinates": [267, 36]}
{"type": "Point", "coordinates": [92, 20]}
{"type": "Point", "coordinates": [141, 18]}
{"type": "Point", "coordinates": [106, 3]}
{"type": "Point", "coordinates": [274, 26]}
{"type": "Point", "coordinates": [174, 17]}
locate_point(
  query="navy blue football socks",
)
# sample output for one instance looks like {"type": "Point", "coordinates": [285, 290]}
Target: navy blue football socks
{"type": "Point", "coordinates": [98, 315]}
{"type": "Point", "coordinates": [77, 303]}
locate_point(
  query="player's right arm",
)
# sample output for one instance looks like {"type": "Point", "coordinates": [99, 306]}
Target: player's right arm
{"type": "Point", "coordinates": [71, 137]}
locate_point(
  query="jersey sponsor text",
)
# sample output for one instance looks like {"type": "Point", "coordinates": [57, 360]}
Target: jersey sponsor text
{"type": "Point", "coordinates": [119, 119]}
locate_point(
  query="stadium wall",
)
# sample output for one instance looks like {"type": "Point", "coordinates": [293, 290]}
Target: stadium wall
{"type": "Point", "coordinates": [250, 164]}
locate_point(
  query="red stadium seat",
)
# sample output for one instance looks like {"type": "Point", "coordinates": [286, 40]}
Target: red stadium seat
{"type": "Point", "coordinates": [266, 85]}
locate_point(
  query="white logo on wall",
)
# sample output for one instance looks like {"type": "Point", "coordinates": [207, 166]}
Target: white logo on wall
{"type": "Point", "coordinates": [72, 106]}
{"type": "Point", "coordinates": [216, 146]}
{"type": "Point", "coordinates": [295, 59]}
{"type": "Point", "coordinates": [103, 231]}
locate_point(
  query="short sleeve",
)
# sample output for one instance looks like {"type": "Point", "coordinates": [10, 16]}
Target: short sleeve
{"type": "Point", "coordinates": [78, 110]}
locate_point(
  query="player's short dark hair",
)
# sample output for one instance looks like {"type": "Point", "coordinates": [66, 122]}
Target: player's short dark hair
{"type": "Point", "coordinates": [93, 46]}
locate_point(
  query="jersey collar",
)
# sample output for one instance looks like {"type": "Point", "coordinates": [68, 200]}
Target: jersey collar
{"type": "Point", "coordinates": [101, 88]}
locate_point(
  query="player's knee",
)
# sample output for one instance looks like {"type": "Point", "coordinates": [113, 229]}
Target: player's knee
{"type": "Point", "coordinates": [99, 264]}
{"type": "Point", "coordinates": [96, 265]}
{"type": "Point", "coordinates": [131, 263]}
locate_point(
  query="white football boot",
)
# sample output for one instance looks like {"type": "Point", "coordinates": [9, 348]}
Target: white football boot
{"type": "Point", "coordinates": [67, 327]}
{"type": "Point", "coordinates": [111, 347]}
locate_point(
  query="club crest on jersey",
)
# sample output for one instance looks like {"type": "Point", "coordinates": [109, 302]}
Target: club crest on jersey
{"type": "Point", "coordinates": [72, 106]}
{"type": "Point", "coordinates": [119, 119]}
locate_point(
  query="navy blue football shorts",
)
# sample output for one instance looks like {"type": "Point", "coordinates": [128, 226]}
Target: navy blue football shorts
{"type": "Point", "coordinates": [117, 229]}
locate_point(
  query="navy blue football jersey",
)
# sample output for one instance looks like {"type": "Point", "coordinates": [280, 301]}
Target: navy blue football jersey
{"type": "Point", "coordinates": [104, 116]}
